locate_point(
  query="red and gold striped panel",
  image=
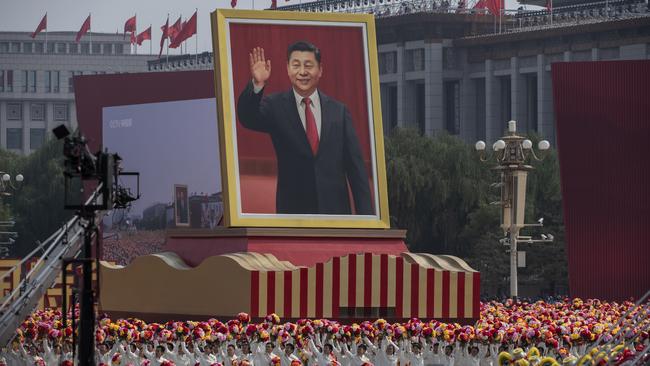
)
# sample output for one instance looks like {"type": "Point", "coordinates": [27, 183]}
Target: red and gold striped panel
{"type": "Point", "coordinates": [53, 297]}
{"type": "Point", "coordinates": [367, 280]}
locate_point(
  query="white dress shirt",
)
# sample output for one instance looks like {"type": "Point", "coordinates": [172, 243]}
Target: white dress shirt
{"type": "Point", "coordinates": [315, 107]}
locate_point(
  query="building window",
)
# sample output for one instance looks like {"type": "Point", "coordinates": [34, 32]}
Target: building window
{"type": "Point", "coordinates": [85, 48]}
{"type": "Point", "coordinates": [55, 81]}
{"type": "Point", "coordinates": [60, 48]}
{"type": "Point", "coordinates": [420, 104]}
{"type": "Point", "coordinates": [14, 111]}
{"type": "Point", "coordinates": [14, 47]}
{"type": "Point", "coordinates": [29, 81]}
{"type": "Point", "coordinates": [387, 63]}
{"type": "Point", "coordinates": [9, 86]}
{"type": "Point", "coordinates": [31, 78]}
{"type": "Point", "coordinates": [414, 60]}
{"type": "Point", "coordinates": [38, 47]}
{"type": "Point", "coordinates": [611, 53]}
{"type": "Point", "coordinates": [27, 47]}
{"type": "Point", "coordinates": [50, 47]}
{"type": "Point", "coordinates": [451, 100]}
{"type": "Point", "coordinates": [4, 47]}
{"type": "Point", "coordinates": [2, 81]}
{"type": "Point", "coordinates": [449, 58]}
{"type": "Point", "coordinates": [96, 48]}
{"type": "Point", "coordinates": [15, 138]}
{"type": "Point", "coordinates": [505, 87]}
{"type": "Point", "coordinates": [389, 106]}
{"type": "Point", "coordinates": [119, 48]}
{"type": "Point", "coordinates": [71, 80]}
{"type": "Point", "coordinates": [60, 112]}
{"type": "Point", "coordinates": [531, 102]}
{"type": "Point", "coordinates": [74, 48]}
{"type": "Point", "coordinates": [48, 81]}
{"type": "Point", "coordinates": [37, 112]}
{"type": "Point", "coordinates": [36, 138]}
{"type": "Point", "coordinates": [479, 112]}
{"type": "Point", "coordinates": [52, 83]}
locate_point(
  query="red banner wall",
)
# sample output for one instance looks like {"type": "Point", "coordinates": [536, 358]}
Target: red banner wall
{"type": "Point", "coordinates": [602, 114]}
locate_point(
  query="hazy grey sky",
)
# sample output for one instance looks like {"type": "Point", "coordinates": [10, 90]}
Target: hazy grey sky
{"type": "Point", "coordinates": [110, 15]}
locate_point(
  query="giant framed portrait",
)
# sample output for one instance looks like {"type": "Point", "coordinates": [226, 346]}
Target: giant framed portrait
{"type": "Point", "coordinates": [299, 119]}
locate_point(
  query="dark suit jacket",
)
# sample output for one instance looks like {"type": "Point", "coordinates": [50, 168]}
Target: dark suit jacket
{"type": "Point", "coordinates": [309, 184]}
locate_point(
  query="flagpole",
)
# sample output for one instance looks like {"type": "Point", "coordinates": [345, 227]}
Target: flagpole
{"type": "Point", "coordinates": [500, 14]}
{"type": "Point", "coordinates": [150, 40]}
{"type": "Point", "coordinates": [135, 31]}
{"type": "Point", "coordinates": [90, 34]}
{"type": "Point", "coordinates": [45, 50]}
{"type": "Point", "coordinates": [196, 48]}
{"type": "Point", "coordinates": [167, 36]}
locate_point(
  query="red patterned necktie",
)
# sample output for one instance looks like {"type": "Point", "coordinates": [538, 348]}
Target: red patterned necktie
{"type": "Point", "coordinates": [310, 126]}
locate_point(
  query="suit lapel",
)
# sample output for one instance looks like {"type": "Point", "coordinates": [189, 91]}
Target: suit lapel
{"type": "Point", "coordinates": [295, 125]}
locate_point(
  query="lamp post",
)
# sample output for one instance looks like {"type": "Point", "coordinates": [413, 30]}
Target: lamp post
{"type": "Point", "coordinates": [510, 153]}
{"type": "Point", "coordinates": [8, 238]}
{"type": "Point", "coordinates": [6, 184]}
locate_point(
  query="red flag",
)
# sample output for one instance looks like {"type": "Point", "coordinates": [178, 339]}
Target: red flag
{"type": "Point", "coordinates": [495, 6]}
{"type": "Point", "coordinates": [84, 29]}
{"type": "Point", "coordinates": [129, 26]}
{"type": "Point", "coordinates": [133, 39]}
{"type": "Point", "coordinates": [188, 31]}
{"type": "Point", "coordinates": [233, 3]}
{"type": "Point", "coordinates": [174, 29]}
{"type": "Point", "coordinates": [165, 34]}
{"type": "Point", "coordinates": [549, 5]}
{"type": "Point", "coordinates": [146, 35]}
{"type": "Point", "coordinates": [274, 4]}
{"type": "Point", "coordinates": [480, 5]}
{"type": "Point", "coordinates": [42, 25]}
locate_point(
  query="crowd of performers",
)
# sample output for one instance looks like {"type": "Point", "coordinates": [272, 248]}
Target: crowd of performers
{"type": "Point", "coordinates": [569, 332]}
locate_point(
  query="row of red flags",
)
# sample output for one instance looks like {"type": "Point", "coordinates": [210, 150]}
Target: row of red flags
{"type": "Point", "coordinates": [176, 33]}
{"type": "Point", "coordinates": [85, 27]}
{"type": "Point", "coordinates": [181, 31]}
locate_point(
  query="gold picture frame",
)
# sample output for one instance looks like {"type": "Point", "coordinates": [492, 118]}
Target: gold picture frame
{"type": "Point", "coordinates": [234, 216]}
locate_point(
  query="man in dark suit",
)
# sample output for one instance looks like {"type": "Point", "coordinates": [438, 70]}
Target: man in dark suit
{"type": "Point", "coordinates": [313, 136]}
{"type": "Point", "coordinates": [181, 206]}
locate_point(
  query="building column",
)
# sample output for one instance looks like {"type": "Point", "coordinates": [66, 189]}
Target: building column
{"type": "Point", "coordinates": [517, 95]}
{"type": "Point", "coordinates": [594, 54]}
{"type": "Point", "coordinates": [540, 94]}
{"type": "Point", "coordinates": [401, 85]}
{"type": "Point", "coordinates": [567, 56]}
{"type": "Point", "coordinates": [26, 123]}
{"type": "Point", "coordinates": [492, 130]}
{"type": "Point", "coordinates": [467, 104]}
{"type": "Point", "coordinates": [3, 125]}
{"type": "Point", "coordinates": [433, 88]}
{"type": "Point", "coordinates": [545, 117]}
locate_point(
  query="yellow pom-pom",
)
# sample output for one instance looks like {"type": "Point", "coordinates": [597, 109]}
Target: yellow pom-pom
{"type": "Point", "coordinates": [504, 359]}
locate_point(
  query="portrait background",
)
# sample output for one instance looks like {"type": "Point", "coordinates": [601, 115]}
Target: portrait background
{"type": "Point", "coordinates": [344, 79]}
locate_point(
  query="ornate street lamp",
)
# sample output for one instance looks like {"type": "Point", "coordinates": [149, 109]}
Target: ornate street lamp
{"type": "Point", "coordinates": [510, 153]}
{"type": "Point", "coordinates": [8, 238]}
{"type": "Point", "coordinates": [6, 184]}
